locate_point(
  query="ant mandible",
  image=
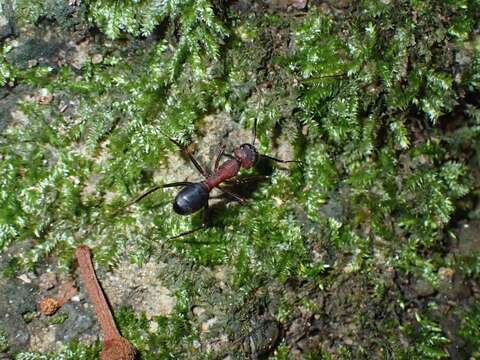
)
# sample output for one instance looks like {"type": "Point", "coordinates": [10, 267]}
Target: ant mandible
{"type": "Point", "coordinates": [195, 195]}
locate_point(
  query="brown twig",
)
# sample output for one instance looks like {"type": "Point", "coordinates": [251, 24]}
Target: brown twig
{"type": "Point", "coordinates": [115, 346]}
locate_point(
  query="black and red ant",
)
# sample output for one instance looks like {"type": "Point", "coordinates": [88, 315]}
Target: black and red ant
{"type": "Point", "coordinates": [195, 195]}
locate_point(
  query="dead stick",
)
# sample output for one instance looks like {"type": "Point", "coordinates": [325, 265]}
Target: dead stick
{"type": "Point", "coordinates": [115, 346]}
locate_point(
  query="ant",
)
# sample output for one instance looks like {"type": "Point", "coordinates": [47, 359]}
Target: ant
{"type": "Point", "coordinates": [195, 195]}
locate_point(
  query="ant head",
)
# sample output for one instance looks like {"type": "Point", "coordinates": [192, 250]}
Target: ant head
{"type": "Point", "coordinates": [246, 154]}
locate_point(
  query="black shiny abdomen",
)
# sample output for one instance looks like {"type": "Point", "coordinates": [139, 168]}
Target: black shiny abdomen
{"type": "Point", "coordinates": [190, 199]}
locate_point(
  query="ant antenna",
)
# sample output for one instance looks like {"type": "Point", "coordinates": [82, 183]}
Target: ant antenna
{"type": "Point", "coordinates": [257, 87]}
{"type": "Point", "coordinates": [280, 160]}
{"type": "Point", "coordinates": [187, 152]}
{"type": "Point", "coordinates": [150, 191]}
{"type": "Point", "coordinates": [254, 131]}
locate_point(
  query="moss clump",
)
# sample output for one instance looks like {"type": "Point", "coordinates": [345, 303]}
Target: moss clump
{"type": "Point", "coordinates": [73, 350]}
{"type": "Point", "coordinates": [361, 96]}
{"type": "Point", "coordinates": [429, 340]}
{"type": "Point", "coordinates": [173, 339]}
{"type": "Point", "coordinates": [4, 344]}
{"type": "Point", "coordinates": [469, 331]}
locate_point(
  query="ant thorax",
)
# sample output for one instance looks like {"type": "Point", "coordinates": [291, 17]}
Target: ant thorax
{"type": "Point", "coordinates": [246, 154]}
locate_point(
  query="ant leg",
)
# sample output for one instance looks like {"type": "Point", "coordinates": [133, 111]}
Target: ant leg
{"type": "Point", "coordinates": [204, 225]}
{"type": "Point", "coordinates": [247, 179]}
{"type": "Point", "coordinates": [230, 156]}
{"type": "Point", "coordinates": [150, 191]}
{"type": "Point", "coordinates": [220, 153]}
{"type": "Point", "coordinates": [187, 232]}
{"type": "Point", "coordinates": [232, 194]}
{"type": "Point", "coordinates": [254, 131]}
{"type": "Point", "coordinates": [279, 160]}
{"type": "Point", "coordinates": [197, 165]}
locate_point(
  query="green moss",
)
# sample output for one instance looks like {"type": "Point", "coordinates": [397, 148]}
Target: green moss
{"type": "Point", "coordinates": [73, 351]}
{"type": "Point", "coordinates": [174, 338]}
{"type": "Point", "coordinates": [7, 70]}
{"type": "Point", "coordinates": [4, 343]}
{"type": "Point", "coordinates": [165, 338]}
{"type": "Point", "coordinates": [428, 340]}
{"type": "Point", "coordinates": [359, 102]}
{"type": "Point", "coordinates": [59, 318]}
{"type": "Point", "coordinates": [29, 316]}
{"type": "Point", "coordinates": [470, 332]}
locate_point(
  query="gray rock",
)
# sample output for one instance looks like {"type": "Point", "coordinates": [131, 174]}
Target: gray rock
{"type": "Point", "coordinates": [7, 20]}
{"type": "Point", "coordinates": [334, 209]}
{"type": "Point", "coordinates": [44, 51]}
{"type": "Point", "coordinates": [468, 239]}
{"type": "Point", "coordinates": [79, 322]}
{"type": "Point", "coordinates": [47, 281]}
{"type": "Point", "coordinates": [263, 338]}
{"type": "Point", "coordinates": [423, 288]}
{"type": "Point", "coordinates": [16, 299]}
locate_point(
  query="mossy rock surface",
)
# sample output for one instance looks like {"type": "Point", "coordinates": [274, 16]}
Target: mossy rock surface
{"type": "Point", "coordinates": [366, 247]}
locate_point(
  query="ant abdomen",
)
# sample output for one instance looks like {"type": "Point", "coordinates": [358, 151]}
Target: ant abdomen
{"type": "Point", "coordinates": [191, 199]}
